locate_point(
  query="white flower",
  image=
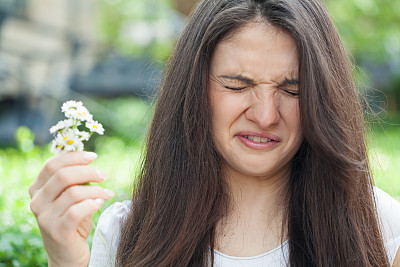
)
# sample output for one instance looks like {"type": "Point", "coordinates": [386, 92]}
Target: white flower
{"type": "Point", "coordinates": [71, 104]}
{"type": "Point", "coordinates": [83, 136]}
{"type": "Point", "coordinates": [95, 126]}
{"type": "Point", "coordinates": [56, 147]}
{"type": "Point", "coordinates": [67, 135]}
{"type": "Point", "coordinates": [69, 123]}
{"type": "Point", "coordinates": [81, 113]}
{"type": "Point", "coordinates": [71, 140]}
{"type": "Point", "coordinates": [57, 127]}
{"type": "Point", "coordinates": [62, 125]}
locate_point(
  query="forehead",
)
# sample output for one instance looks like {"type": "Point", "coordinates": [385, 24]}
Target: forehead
{"type": "Point", "coordinates": [259, 50]}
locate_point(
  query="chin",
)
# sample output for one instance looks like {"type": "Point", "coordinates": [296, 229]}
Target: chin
{"type": "Point", "coordinates": [261, 169]}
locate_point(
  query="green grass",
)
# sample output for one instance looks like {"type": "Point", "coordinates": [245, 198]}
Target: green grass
{"type": "Point", "coordinates": [384, 153]}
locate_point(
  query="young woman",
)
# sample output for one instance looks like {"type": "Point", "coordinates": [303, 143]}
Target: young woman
{"type": "Point", "coordinates": [255, 157]}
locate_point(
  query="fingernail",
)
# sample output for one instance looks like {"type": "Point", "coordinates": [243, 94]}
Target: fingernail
{"type": "Point", "coordinates": [102, 175]}
{"type": "Point", "coordinates": [109, 193]}
{"type": "Point", "coordinates": [99, 201]}
{"type": "Point", "coordinates": [90, 155]}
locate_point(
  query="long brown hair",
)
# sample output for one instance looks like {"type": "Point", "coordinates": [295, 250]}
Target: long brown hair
{"type": "Point", "coordinates": [179, 195]}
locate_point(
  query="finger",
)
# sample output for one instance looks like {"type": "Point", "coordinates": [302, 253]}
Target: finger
{"type": "Point", "coordinates": [76, 213]}
{"type": "Point", "coordinates": [55, 163]}
{"type": "Point", "coordinates": [76, 194]}
{"type": "Point", "coordinates": [61, 180]}
{"type": "Point", "coordinates": [85, 226]}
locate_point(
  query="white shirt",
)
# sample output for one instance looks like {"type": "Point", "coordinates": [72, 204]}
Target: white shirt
{"type": "Point", "coordinates": [106, 238]}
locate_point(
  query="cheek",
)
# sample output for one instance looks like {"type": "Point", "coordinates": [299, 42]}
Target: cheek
{"type": "Point", "coordinates": [224, 109]}
{"type": "Point", "coordinates": [220, 124]}
{"type": "Point", "coordinates": [292, 118]}
{"type": "Point", "coordinates": [224, 113]}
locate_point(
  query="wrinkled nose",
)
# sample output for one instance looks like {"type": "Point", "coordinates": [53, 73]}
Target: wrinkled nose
{"type": "Point", "coordinates": [264, 110]}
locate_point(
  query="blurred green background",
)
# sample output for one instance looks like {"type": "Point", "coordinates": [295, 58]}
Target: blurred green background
{"type": "Point", "coordinates": [103, 41]}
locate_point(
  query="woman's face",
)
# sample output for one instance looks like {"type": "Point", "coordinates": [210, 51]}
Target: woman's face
{"type": "Point", "coordinates": [254, 100]}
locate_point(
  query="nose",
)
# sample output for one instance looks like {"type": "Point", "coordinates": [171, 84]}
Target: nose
{"type": "Point", "coordinates": [264, 109]}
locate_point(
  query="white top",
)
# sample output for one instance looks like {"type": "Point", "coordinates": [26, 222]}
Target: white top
{"type": "Point", "coordinates": [106, 237]}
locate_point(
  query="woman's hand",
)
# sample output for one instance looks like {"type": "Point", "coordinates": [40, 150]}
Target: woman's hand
{"type": "Point", "coordinates": [64, 207]}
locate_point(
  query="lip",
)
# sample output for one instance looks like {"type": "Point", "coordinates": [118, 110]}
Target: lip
{"type": "Point", "coordinates": [256, 145]}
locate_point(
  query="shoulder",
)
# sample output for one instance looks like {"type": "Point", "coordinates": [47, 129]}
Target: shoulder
{"type": "Point", "coordinates": [106, 236]}
{"type": "Point", "coordinates": [388, 210]}
{"type": "Point", "coordinates": [389, 215]}
{"type": "Point", "coordinates": [111, 219]}
{"type": "Point", "coordinates": [114, 215]}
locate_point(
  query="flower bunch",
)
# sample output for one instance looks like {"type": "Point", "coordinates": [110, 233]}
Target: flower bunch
{"type": "Point", "coordinates": [67, 136]}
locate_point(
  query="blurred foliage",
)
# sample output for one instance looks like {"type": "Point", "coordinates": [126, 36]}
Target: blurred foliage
{"type": "Point", "coordinates": [384, 153]}
{"type": "Point", "coordinates": [20, 242]}
{"type": "Point", "coordinates": [125, 117]}
{"type": "Point", "coordinates": [140, 27]}
{"type": "Point", "coordinates": [370, 28]}
{"type": "Point", "coordinates": [22, 249]}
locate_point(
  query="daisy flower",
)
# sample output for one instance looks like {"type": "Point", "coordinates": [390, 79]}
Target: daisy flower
{"type": "Point", "coordinates": [57, 127]}
{"type": "Point", "coordinates": [80, 113]}
{"type": "Point", "coordinates": [95, 126]}
{"type": "Point", "coordinates": [67, 136]}
{"type": "Point", "coordinates": [62, 125]}
{"type": "Point", "coordinates": [71, 140]}
{"type": "Point", "coordinates": [57, 146]}
{"type": "Point", "coordinates": [71, 104]}
{"type": "Point", "coordinates": [83, 136]}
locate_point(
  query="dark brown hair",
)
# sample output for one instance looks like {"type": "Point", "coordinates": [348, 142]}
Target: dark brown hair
{"type": "Point", "coordinates": [179, 195]}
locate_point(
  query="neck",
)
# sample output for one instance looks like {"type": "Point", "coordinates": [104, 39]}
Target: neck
{"type": "Point", "coordinates": [251, 194]}
{"type": "Point", "coordinates": [254, 221]}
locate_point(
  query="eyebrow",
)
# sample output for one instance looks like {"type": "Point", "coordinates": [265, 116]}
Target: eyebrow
{"type": "Point", "coordinates": [239, 78]}
{"type": "Point", "coordinates": [289, 82]}
{"type": "Point", "coordinates": [251, 81]}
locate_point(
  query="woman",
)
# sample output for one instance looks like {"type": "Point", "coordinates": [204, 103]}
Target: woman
{"type": "Point", "coordinates": [255, 156]}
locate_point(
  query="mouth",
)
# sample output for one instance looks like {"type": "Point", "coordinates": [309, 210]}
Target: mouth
{"type": "Point", "coordinates": [258, 139]}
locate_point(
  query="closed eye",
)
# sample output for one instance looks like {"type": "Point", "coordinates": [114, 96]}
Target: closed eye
{"type": "Point", "coordinates": [290, 87]}
{"type": "Point", "coordinates": [291, 92]}
{"type": "Point", "coordinates": [234, 88]}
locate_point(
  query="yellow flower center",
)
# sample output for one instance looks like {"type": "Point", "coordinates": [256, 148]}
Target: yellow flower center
{"type": "Point", "coordinates": [94, 126]}
{"type": "Point", "coordinates": [70, 142]}
{"type": "Point", "coordinates": [65, 137]}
